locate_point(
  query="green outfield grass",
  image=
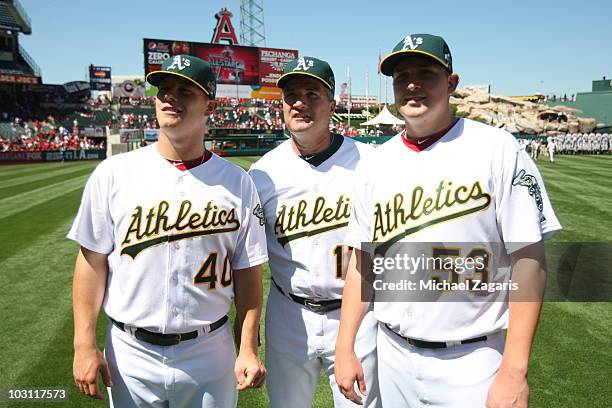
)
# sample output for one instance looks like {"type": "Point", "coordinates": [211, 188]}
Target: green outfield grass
{"type": "Point", "coordinates": [571, 363]}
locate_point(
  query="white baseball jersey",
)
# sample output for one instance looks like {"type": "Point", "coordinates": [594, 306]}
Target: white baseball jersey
{"type": "Point", "coordinates": [173, 238]}
{"type": "Point", "coordinates": [311, 206]}
{"type": "Point", "coordinates": [474, 185]}
{"type": "Point", "coordinates": [307, 209]}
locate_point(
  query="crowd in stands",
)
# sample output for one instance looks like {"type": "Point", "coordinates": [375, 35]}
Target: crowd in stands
{"type": "Point", "coordinates": [255, 114]}
{"type": "Point", "coordinates": [258, 115]}
{"type": "Point", "coordinates": [45, 135]}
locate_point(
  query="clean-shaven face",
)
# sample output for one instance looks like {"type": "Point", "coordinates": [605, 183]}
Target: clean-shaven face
{"type": "Point", "coordinates": [306, 105]}
{"type": "Point", "coordinates": [180, 104]}
{"type": "Point", "coordinates": [421, 87]}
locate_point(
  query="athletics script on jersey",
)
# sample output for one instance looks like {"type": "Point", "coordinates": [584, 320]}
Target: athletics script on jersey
{"type": "Point", "coordinates": [154, 226]}
{"type": "Point", "coordinates": [398, 218]}
{"type": "Point", "coordinates": [308, 218]}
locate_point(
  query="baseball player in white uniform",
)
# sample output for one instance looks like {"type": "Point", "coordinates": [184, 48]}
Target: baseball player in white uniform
{"type": "Point", "coordinates": [304, 185]}
{"type": "Point", "coordinates": [464, 189]}
{"type": "Point", "coordinates": [552, 147]}
{"type": "Point", "coordinates": [170, 234]}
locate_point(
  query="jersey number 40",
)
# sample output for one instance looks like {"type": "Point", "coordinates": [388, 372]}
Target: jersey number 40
{"type": "Point", "coordinates": [208, 272]}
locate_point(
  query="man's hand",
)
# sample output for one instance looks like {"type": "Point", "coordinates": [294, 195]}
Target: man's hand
{"type": "Point", "coordinates": [250, 371]}
{"type": "Point", "coordinates": [347, 370]}
{"type": "Point", "coordinates": [88, 362]}
{"type": "Point", "coordinates": [508, 390]}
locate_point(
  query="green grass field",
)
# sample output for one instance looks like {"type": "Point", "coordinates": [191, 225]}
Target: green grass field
{"type": "Point", "coordinates": [572, 358]}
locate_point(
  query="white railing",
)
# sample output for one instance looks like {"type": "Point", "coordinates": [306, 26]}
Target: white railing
{"type": "Point", "coordinates": [29, 60]}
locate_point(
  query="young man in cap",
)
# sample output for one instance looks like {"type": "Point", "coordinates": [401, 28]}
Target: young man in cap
{"type": "Point", "coordinates": [304, 187]}
{"type": "Point", "coordinates": [445, 188]}
{"type": "Point", "coordinates": [169, 234]}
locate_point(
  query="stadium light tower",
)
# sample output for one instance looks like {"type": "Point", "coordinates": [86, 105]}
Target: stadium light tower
{"type": "Point", "coordinates": [252, 29]}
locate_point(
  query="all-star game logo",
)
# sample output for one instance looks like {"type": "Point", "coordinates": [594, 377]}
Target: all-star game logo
{"type": "Point", "coordinates": [227, 67]}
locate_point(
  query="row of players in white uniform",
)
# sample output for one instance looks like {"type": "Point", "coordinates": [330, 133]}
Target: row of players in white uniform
{"type": "Point", "coordinates": [571, 143]}
{"type": "Point", "coordinates": [170, 234]}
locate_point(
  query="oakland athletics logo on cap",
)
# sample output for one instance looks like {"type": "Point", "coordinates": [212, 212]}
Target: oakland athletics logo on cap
{"type": "Point", "coordinates": [303, 64]}
{"type": "Point", "coordinates": [189, 67]}
{"type": "Point", "coordinates": [179, 62]}
{"type": "Point", "coordinates": [308, 66]}
{"type": "Point", "coordinates": [412, 44]}
{"type": "Point", "coordinates": [425, 44]}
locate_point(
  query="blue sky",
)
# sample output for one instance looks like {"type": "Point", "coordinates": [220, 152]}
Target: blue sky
{"type": "Point", "coordinates": [519, 47]}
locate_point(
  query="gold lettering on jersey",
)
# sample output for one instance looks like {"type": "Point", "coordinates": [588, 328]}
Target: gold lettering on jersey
{"type": "Point", "coordinates": [396, 215]}
{"type": "Point", "coordinates": [304, 219]}
{"type": "Point", "coordinates": [153, 226]}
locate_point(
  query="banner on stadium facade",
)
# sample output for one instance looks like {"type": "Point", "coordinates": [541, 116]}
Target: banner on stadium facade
{"type": "Point", "coordinates": [130, 135]}
{"type": "Point", "coordinates": [74, 155]}
{"type": "Point", "coordinates": [21, 157]}
{"type": "Point", "coordinates": [252, 71]}
{"type": "Point", "coordinates": [357, 101]}
{"type": "Point", "coordinates": [52, 156]}
{"type": "Point", "coordinates": [129, 88]}
{"type": "Point", "coordinates": [151, 135]}
{"type": "Point", "coordinates": [100, 78]}
{"type": "Point", "coordinates": [92, 132]}
{"type": "Point", "coordinates": [19, 79]}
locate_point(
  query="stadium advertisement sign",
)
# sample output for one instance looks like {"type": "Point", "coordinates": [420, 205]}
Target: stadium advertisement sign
{"type": "Point", "coordinates": [19, 79]}
{"type": "Point", "coordinates": [130, 135]}
{"type": "Point", "coordinates": [21, 157]}
{"type": "Point", "coordinates": [243, 72]}
{"type": "Point", "coordinates": [100, 78]}
{"type": "Point", "coordinates": [272, 61]}
{"type": "Point", "coordinates": [74, 155]}
{"type": "Point", "coordinates": [129, 88]}
{"type": "Point", "coordinates": [93, 132]}
{"type": "Point", "coordinates": [151, 135]}
{"type": "Point", "coordinates": [51, 156]}
{"type": "Point", "coordinates": [232, 64]}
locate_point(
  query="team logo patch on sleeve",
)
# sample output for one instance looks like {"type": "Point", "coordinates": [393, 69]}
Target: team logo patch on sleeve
{"type": "Point", "coordinates": [259, 213]}
{"type": "Point", "coordinates": [529, 181]}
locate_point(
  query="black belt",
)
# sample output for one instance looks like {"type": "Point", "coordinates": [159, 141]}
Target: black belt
{"type": "Point", "coordinates": [435, 344]}
{"type": "Point", "coordinates": [167, 339]}
{"type": "Point", "coordinates": [317, 306]}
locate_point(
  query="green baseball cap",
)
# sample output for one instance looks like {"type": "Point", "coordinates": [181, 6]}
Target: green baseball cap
{"type": "Point", "coordinates": [189, 67]}
{"type": "Point", "coordinates": [425, 44]}
{"type": "Point", "coordinates": [308, 66]}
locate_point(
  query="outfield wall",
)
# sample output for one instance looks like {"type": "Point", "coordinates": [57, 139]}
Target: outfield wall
{"type": "Point", "coordinates": [51, 156]}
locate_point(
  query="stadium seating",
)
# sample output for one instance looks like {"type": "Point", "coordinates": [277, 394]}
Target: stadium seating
{"type": "Point", "coordinates": [7, 19]}
{"type": "Point", "coordinates": [6, 130]}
